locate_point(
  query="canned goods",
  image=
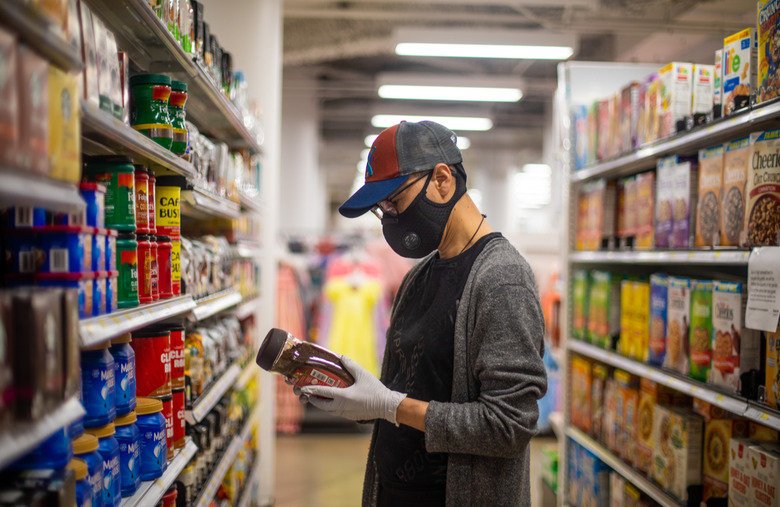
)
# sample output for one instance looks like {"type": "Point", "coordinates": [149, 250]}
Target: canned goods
{"type": "Point", "coordinates": [152, 348]}
{"type": "Point", "coordinates": [97, 385]}
{"type": "Point", "coordinates": [124, 373]}
{"type": "Point", "coordinates": [118, 175]}
{"type": "Point", "coordinates": [167, 208]}
{"type": "Point", "coordinates": [177, 356]}
{"type": "Point", "coordinates": [152, 204]}
{"type": "Point", "coordinates": [155, 271]}
{"type": "Point", "coordinates": [127, 264]}
{"type": "Point", "coordinates": [86, 447]}
{"type": "Point", "coordinates": [141, 199]}
{"type": "Point", "coordinates": [111, 235]}
{"type": "Point", "coordinates": [151, 426]}
{"type": "Point", "coordinates": [94, 194]}
{"type": "Point", "coordinates": [177, 113]}
{"type": "Point", "coordinates": [144, 268]}
{"type": "Point", "coordinates": [99, 293]}
{"type": "Point", "coordinates": [176, 266]}
{"type": "Point", "coordinates": [164, 287]}
{"type": "Point", "coordinates": [179, 425]}
{"type": "Point", "coordinates": [169, 498]}
{"type": "Point", "coordinates": [150, 94]}
{"type": "Point", "coordinates": [98, 250]}
{"type": "Point", "coordinates": [108, 448]}
{"type": "Point", "coordinates": [167, 412]}
{"type": "Point", "coordinates": [129, 439]}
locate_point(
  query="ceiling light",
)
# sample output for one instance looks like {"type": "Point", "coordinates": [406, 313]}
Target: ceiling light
{"type": "Point", "coordinates": [459, 93]}
{"type": "Point", "coordinates": [451, 122]}
{"type": "Point", "coordinates": [484, 51]}
{"type": "Point", "coordinates": [369, 140]}
{"type": "Point", "coordinates": [463, 143]}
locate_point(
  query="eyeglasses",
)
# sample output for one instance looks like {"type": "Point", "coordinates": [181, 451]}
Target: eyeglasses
{"type": "Point", "coordinates": [386, 205]}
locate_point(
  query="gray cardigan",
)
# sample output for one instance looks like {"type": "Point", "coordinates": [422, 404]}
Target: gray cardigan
{"type": "Point", "coordinates": [498, 376]}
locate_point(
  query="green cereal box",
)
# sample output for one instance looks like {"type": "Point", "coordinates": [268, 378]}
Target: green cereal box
{"type": "Point", "coordinates": [603, 308]}
{"type": "Point", "coordinates": [580, 304]}
{"type": "Point", "coordinates": [700, 334]}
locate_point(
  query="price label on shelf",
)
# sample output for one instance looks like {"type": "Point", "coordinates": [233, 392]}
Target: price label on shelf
{"type": "Point", "coordinates": [763, 305]}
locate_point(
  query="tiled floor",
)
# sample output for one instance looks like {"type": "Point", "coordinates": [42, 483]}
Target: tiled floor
{"type": "Point", "coordinates": [326, 470]}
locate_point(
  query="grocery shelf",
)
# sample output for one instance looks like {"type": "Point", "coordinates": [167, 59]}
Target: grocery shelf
{"type": "Point", "coordinates": [23, 438]}
{"type": "Point", "coordinates": [212, 305]}
{"type": "Point", "coordinates": [153, 49]}
{"type": "Point", "coordinates": [556, 423]}
{"type": "Point", "coordinates": [99, 329]}
{"type": "Point", "coordinates": [37, 31]}
{"type": "Point", "coordinates": [251, 203]}
{"type": "Point", "coordinates": [247, 250]}
{"type": "Point", "coordinates": [249, 371]}
{"type": "Point", "coordinates": [251, 482]}
{"type": "Point", "coordinates": [20, 188]}
{"type": "Point", "coordinates": [738, 406]}
{"type": "Point", "coordinates": [618, 465]}
{"type": "Point", "coordinates": [151, 492]}
{"type": "Point", "coordinates": [198, 203]}
{"type": "Point", "coordinates": [710, 134]}
{"type": "Point", "coordinates": [249, 307]}
{"type": "Point", "coordinates": [203, 405]}
{"type": "Point", "coordinates": [711, 257]}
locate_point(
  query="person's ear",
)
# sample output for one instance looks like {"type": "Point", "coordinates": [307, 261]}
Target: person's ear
{"type": "Point", "coordinates": [444, 181]}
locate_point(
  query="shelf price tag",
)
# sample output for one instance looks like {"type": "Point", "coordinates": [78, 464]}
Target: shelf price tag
{"type": "Point", "coordinates": [763, 305]}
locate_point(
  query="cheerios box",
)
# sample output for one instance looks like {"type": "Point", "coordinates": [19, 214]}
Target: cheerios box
{"type": "Point", "coordinates": [768, 50]}
{"type": "Point", "coordinates": [764, 464]}
{"type": "Point", "coordinates": [700, 332]}
{"type": "Point", "coordinates": [762, 194]}
{"type": "Point", "coordinates": [735, 348]}
{"type": "Point", "coordinates": [739, 70]}
{"type": "Point", "coordinates": [677, 452]}
{"type": "Point", "coordinates": [677, 324]}
{"type": "Point", "coordinates": [715, 462]}
{"type": "Point", "coordinates": [772, 383]}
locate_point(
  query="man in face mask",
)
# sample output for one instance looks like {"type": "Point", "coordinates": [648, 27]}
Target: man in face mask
{"type": "Point", "coordinates": [457, 402]}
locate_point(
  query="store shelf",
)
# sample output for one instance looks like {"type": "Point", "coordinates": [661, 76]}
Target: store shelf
{"type": "Point", "coordinates": [37, 31]}
{"type": "Point", "coordinates": [249, 490]}
{"type": "Point", "coordinates": [151, 492]}
{"type": "Point", "coordinates": [249, 307]}
{"type": "Point", "coordinates": [99, 329]}
{"type": "Point", "coordinates": [690, 257]}
{"type": "Point", "coordinates": [117, 137]}
{"type": "Point", "coordinates": [556, 423]}
{"type": "Point", "coordinates": [203, 405]}
{"type": "Point", "coordinates": [251, 203]}
{"type": "Point", "coordinates": [19, 188]}
{"type": "Point", "coordinates": [200, 204]}
{"type": "Point", "coordinates": [738, 406]}
{"type": "Point", "coordinates": [23, 438]}
{"type": "Point", "coordinates": [247, 250]}
{"type": "Point", "coordinates": [153, 49]}
{"type": "Point", "coordinates": [707, 135]}
{"type": "Point", "coordinates": [212, 305]}
{"type": "Point", "coordinates": [248, 373]}
{"type": "Point", "coordinates": [634, 477]}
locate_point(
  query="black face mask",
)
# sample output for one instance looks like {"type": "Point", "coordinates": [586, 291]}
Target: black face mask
{"type": "Point", "coordinates": [418, 230]}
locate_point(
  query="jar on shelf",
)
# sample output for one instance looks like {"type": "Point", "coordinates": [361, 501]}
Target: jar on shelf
{"type": "Point", "coordinates": [177, 113]}
{"type": "Point", "coordinates": [144, 268]}
{"type": "Point", "coordinates": [117, 174]}
{"type": "Point", "coordinates": [141, 199]}
{"type": "Point", "coordinates": [108, 448]}
{"type": "Point", "coordinates": [150, 94]}
{"type": "Point", "coordinates": [97, 385]}
{"type": "Point", "coordinates": [86, 447]}
{"type": "Point", "coordinates": [124, 373]}
{"type": "Point", "coordinates": [127, 265]}
{"type": "Point", "coordinates": [129, 439]}
{"type": "Point", "coordinates": [151, 425]}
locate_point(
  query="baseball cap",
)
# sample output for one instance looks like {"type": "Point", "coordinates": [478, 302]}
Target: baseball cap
{"type": "Point", "coordinates": [397, 152]}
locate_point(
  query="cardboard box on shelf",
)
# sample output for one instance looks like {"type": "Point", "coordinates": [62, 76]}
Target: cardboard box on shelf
{"type": "Point", "coordinates": [678, 319]}
{"type": "Point", "coordinates": [739, 70]}
{"type": "Point", "coordinates": [64, 126]}
{"type": "Point", "coordinates": [709, 196]}
{"type": "Point", "coordinates": [740, 487]}
{"type": "Point", "coordinates": [629, 116]}
{"type": "Point", "coordinates": [664, 198]}
{"type": "Point", "coordinates": [89, 78]}
{"type": "Point", "coordinates": [603, 308]}
{"type": "Point", "coordinates": [700, 332]}
{"type": "Point", "coordinates": [628, 399]}
{"type": "Point", "coordinates": [762, 433]}
{"type": "Point", "coordinates": [580, 304]}
{"type": "Point", "coordinates": [33, 88]}
{"type": "Point", "coordinates": [735, 175]}
{"type": "Point", "coordinates": [715, 465]}
{"type": "Point", "coordinates": [684, 196]}
{"type": "Point", "coordinates": [703, 90]}
{"type": "Point", "coordinates": [762, 213]}
{"type": "Point", "coordinates": [580, 394]}
{"type": "Point", "coordinates": [772, 376]}
{"type": "Point", "coordinates": [9, 100]}
{"type": "Point", "coordinates": [645, 202]}
{"type": "Point", "coordinates": [599, 376]}
{"type": "Point", "coordinates": [676, 93]}
{"type": "Point", "coordinates": [659, 288]}
{"type": "Point", "coordinates": [764, 463]}
{"type": "Point", "coordinates": [768, 50]}
{"type": "Point", "coordinates": [677, 452]}
{"type": "Point", "coordinates": [717, 95]}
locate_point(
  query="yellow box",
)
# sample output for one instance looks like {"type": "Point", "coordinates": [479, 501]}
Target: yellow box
{"type": "Point", "coordinates": [64, 126]}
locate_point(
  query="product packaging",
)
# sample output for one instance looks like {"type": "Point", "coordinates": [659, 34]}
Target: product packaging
{"type": "Point", "coordinates": [703, 89]}
{"type": "Point", "coordinates": [715, 467]}
{"type": "Point", "coordinates": [677, 452]}
{"type": "Point", "coordinates": [64, 126]}
{"type": "Point", "coordinates": [717, 95]}
{"type": "Point", "coordinates": [735, 348]}
{"type": "Point", "coordinates": [629, 117]}
{"type": "Point", "coordinates": [764, 463]}
{"type": "Point", "coordinates": [617, 486]}
{"type": "Point", "coordinates": [652, 110]}
{"type": "Point", "coordinates": [626, 343]}
{"type": "Point", "coordinates": [664, 198]}
{"type": "Point", "coordinates": [612, 415]}
{"type": "Point", "coordinates": [89, 81]}
{"type": "Point", "coordinates": [736, 159]}
{"type": "Point", "coordinates": [33, 86]}
{"type": "Point", "coordinates": [659, 288]}
{"type": "Point", "coordinates": [599, 376]}
{"type": "Point", "coordinates": [603, 309]}
{"type": "Point", "coordinates": [645, 201]}
{"type": "Point", "coordinates": [9, 100]}
{"type": "Point", "coordinates": [676, 91]}
{"type": "Point", "coordinates": [678, 318]}
{"type": "Point", "coordinates": [740, 490]}
{"type": "Point", "coordinates": [651, 395]}
{"type": "Point", "coordinates": [593, 479]}
{"type": "Point", "coordinates": [628, 399]}
{"type": "Point", "coordinates": [772, 376]}
{"type": "Point", "coordinates": [768, 50]}
{"type": "Point", "coordinates": [605, 113]}
{"type": "Point", "coordinates": [580, 304]}
{"type": "Point", "coordinates": [581, 141]}
{"type": "Point", "coordinates": [700, 332]}
{"type": "Point", "coordinates": [762, 216]}
{"type": "Point", "coordinates": [581, 394]}
{"type": "Point", "coordinates": [7, 384]}
{"type": "Point", "coordinates": [103, 64]}
{"type": "Point", "coordinates": [739, 70]}
{"type": "Point", "coordinates": [709, 197]}
{"type": "Point", "coordinates": [115, 92]}
{"type": "Point", "coordinates": [684, 196]}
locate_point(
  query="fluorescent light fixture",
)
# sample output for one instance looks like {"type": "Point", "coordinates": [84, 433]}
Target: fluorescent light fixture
{"type": "Point", "coordinates": [364, 154]}
{"type": "Point", "coordinates": [463, 143]}
{"type": "Point", "coordinates": [451, 122]}
{"type": "Point", "coordinates": [369, 140]}
{"type": "Point", "coordinates": [484, 51]}
{"type": "Point", "coordinates": [531, 186]}
{"type": "Point", "coordinates": [452, 93]}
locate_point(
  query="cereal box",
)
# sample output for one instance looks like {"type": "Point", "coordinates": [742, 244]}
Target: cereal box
{"type": "Point", "coordinates": [652, 109]}
{"type": "Point", "coordinates": [593, 132]}
{"type": "Point", "coordinates": [764, 474]}
{"type": "Point", "coordinates": [772, 384]}
{"type": "Point", "coordinates": [740, 488]}
{"type": "Point", "coordinates": [89, 79]}
{"type": "Point", "coordinates": [613, 415]}
{"type": "Point", "coordinates": [580, 304]}
{"type": "Point", "coordinates": [760, 432]}
{"type": "Point", "coordinates": [703, 88]}
{"type": "Point", "coordinates": [650, 396]}
{"type": "Point", "coordinates": [677, 315]}
{"type": "Point", "coordinates": [768, 50]}
{"type": "Point", "coordinates": [628, 399]}
{"type": "Point", "coordinates": [603, 309]}
{"type": "Point", "coordinates": [596, 214]}
{"type": "Point", "coordinates": [715, 464]}
{"type": "Point", "coordinates": [709, 199]}
{"type": "Point", "coordinates": [617, 485]}
{"type": "Point", "coordinates": [572, 479]}
{"type": "Point", "coordinates": [664, 185]}
{"type": "Point", "coordinates": [581, 141]}
{"type": "Point", "coordinates": [739, 70]}
{"type": "Point", "coordinates": [645, 202]}
{"type": "Point", "coordinates": [604, 118]}
{"type": "Point", "coordinates": [32, 74]}
{"type": "Point", "coordinates": [735, 174]}
{"type": "Point", "coordinates": [626, 211]}
{"type": "Point", "coordinates": [717, 94]}
{"type": "Point", "coordinates": [677, 452]}
{"type": "Point", "coordinates": [599, 376]}
{"type": "Point", "coordinates": [625, 345]}
{"type": "Point", "coordinates": [659, 287]}
{"type": "Point", "coordinates": [700, 332]}
{"type": "Point", "coordinates": [762, 217]}
{"type": "Point", "coordinates": [580, 394]}
{"type": "Point", "coordinates": [735, 348]}
{"type": "Point", "coordinates": [684, 193]}
{"type": "Point", "coordinates": [629, 116]}
{"type": "Point", "coordinates": [594, 480]}
{"type": "Point", "coordinates": [676, 91]}
{"type": "Point", "coordinates": [64, 126]}
{"type": "Point", "coordinates": [613, 147]}
{"type": "Point", "coordinates": [9, 114]}
{"type": "Point", "coordinates": [641, 328]}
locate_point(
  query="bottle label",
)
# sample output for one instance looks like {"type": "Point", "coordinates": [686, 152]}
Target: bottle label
{"type": "Point", "coordinates": [308, 376]}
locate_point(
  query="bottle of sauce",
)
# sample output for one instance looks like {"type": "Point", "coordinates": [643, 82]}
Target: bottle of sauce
{"type": "Point", "coordinates": [303, 362]}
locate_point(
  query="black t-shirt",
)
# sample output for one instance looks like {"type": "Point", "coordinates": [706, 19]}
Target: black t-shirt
{"type": "Point", "coordinates": [420, 363]}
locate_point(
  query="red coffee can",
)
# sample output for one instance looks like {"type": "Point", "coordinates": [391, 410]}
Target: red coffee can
{"type": "Point", "coordinates": [154, 269]}
{"type": "Point", "coordinates": [152, 348]}
{"type": "Point", "coordinates": [177, 356]}
{"type": "Point", "coordinates": [169, 498]}
{"type": "Point", "coordinates": [178, 418]}
{"type": "Point", "coordinates": [164, 254]}
{"type": "Point", "coordinates": [144, 268]}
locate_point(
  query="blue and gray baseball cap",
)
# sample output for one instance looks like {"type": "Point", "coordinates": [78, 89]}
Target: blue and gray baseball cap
{"type": "Point", "coordinates": [398, 152]}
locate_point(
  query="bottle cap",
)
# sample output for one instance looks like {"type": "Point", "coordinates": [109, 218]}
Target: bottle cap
{"type": "Point", "coordinates": [126, 420]}
{"type": "Point", "coordinates": [272, 345]}
{"type": "Point", "coordinates": [80, 467]}
{"type": "Point", "coordinates": [85, 443]}
{"type": "Point", "coordinates": [103, 431]}
{"type": "Point", "coordinates": [146, 406]}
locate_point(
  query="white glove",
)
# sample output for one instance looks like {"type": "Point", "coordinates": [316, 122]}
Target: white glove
{"type": "Point", "coordinates": [367, 399]}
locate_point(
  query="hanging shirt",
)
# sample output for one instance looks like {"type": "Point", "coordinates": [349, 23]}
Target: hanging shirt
{"type": "Point", "coordinates": [420, 364]}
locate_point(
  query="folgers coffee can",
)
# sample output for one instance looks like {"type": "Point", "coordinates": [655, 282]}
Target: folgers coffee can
{"type": "Point", "coordinates": [127, 265]}
{"type": "Point", "coordinates": [116, 172]}
{"type": "Point", "coordinates": [168, 413]}
{"type": "Point", "coordinates": [178, 418]}
{"type": "Point", "coordinates": [141, 199]}
{"type": "Point", "coordinates": [164, 249]}
{"type": "Point", "coordinates": [177, 357]}
{"type": "Point", "coordinates": [152, 348]}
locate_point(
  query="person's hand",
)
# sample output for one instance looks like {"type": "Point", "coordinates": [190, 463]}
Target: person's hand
{"type": "Point", "coordinates": [304, 399]}
{"type": "Point", "coordinates": [365, 400]}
